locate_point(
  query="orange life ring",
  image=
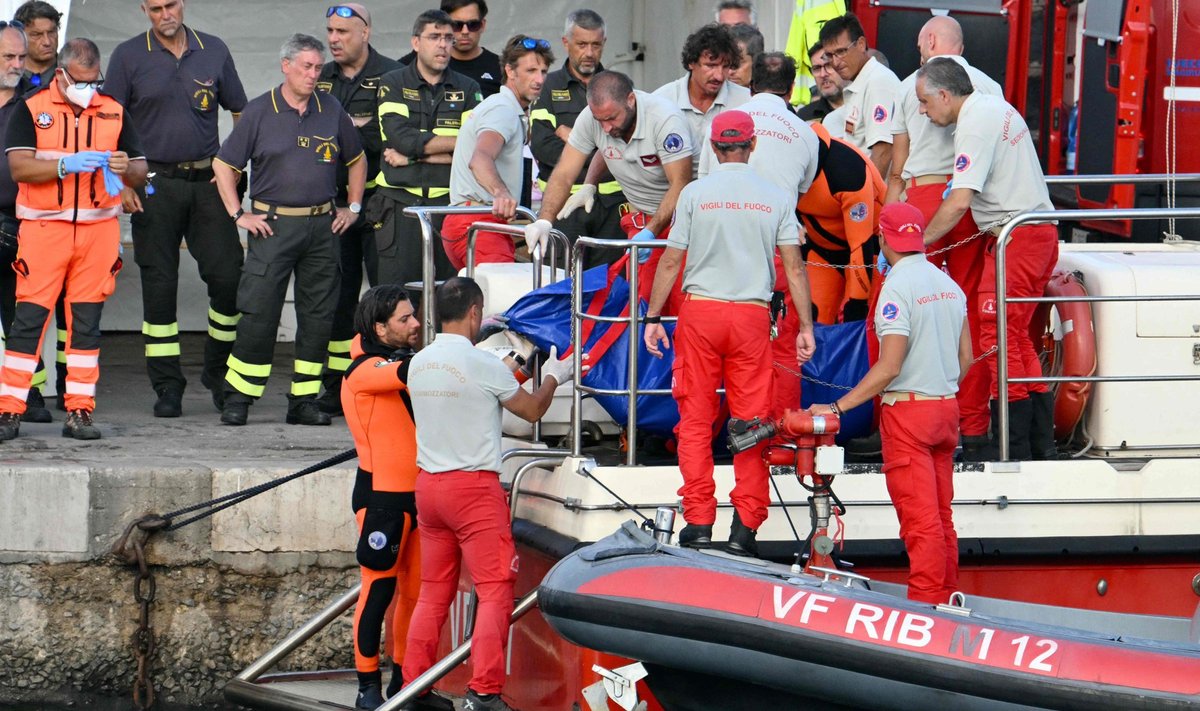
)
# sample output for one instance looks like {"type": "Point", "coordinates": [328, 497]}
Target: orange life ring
{"type": "Point", "coordinates": [1070, 351]}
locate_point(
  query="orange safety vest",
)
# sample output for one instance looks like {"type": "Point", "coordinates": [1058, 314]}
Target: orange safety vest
{"type": "Point", "coordinates": [77, 197]}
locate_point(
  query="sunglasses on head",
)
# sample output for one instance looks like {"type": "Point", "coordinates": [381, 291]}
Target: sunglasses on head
{"type": "Point", "coordinates": [344, 12]}
{"type": "Point", "coordinates": [472, 25]}
{"type": "Point", "coordinates": [532, 43]}
{"type": "Point", "coordinates": [15, 24]}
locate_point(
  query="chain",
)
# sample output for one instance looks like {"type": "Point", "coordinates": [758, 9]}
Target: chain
{"type": "Point", "coordinates": [934, 253]}
{"type": "Point", "coordinates": [144, 592]}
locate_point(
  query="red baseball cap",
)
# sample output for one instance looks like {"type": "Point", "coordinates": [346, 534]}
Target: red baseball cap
{"type": "Point", "coordinates": [738, 123]}
{"type": "Point", "coordinates": [903, 227]}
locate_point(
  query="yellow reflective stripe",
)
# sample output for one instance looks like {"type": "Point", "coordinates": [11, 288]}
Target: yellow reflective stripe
{"type": "Point", "coordinates": [62, 335]}
{"type": "Point", "coordinates": [340, 346]}
{"type": "Point", "coordinates": [222, 319]}
{"type": "Point", "coordinates": [393, 107]}
{"type": "Point", "coordinates": [307, 367]}
{"type": "Point", "coordinates": [370, 184]}
{"type": "Point", "coordinates": [307, 387]}
{"type": "Point", "coordinates": [339, 364]}
{"type": "Point", "coordinates": [445, 131]}
{"type": "Point", "coordinates": [254, 371]}
{"type": "Point", "coordinates": [162, 350]}
{"type": "Point", "coordinates": [218, 335]}
{"type": "Point", "coordinates": [60, 357]}
{"type": "Point", "coordinates": [543, 115]}
{"type": "Point", "coordinates": [433, 192]}
{"type": "Point", "coordinates": [39, 379]}
{"type": "Point", "coordinates": [160, 330]}
{"type": "Point", "coordinates": [609, 187]}
{"type": "Point", "coordinates": [242, 386]}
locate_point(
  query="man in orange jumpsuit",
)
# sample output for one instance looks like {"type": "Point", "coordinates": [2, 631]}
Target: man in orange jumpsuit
{"type": "Point", "coordinates": [71, 152]}
{"type": "Point", "coordinates": [379, 413]}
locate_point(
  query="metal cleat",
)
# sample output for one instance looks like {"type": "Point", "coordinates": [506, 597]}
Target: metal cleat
{"type": "Point", "coordinates": [619, 685]}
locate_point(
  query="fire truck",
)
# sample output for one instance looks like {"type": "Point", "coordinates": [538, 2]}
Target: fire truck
{"type": "Point", "coordinates": [1093, 79]}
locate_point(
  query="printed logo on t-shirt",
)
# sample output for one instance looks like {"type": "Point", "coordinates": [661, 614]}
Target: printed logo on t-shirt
{"type": "Point", "coordinates": [612, 152]}
{"type": "Point", "coordinates": [44, 120]}
{"type": "Point", "coordinates": [962, 162]}
{"type": "Point", "coordinates": [673, 143]}
{"type": "Point", "coordinates": [858, 212]}
{"type": "Point", "coordinates": [650, 161]}
{"type": "Point", "coordinates": [560, 94]}
{"type": "Point", "coordinates": [486, 75]}
{"type": "Point", "coordinates": [890, 311]}
{"type": "Point", "coordinates": [880, 114]}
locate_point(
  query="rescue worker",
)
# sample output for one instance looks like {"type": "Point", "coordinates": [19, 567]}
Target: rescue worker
{"type": "Point", "coordinates": [173, 79]}
{"type": "Point", "coordinates": [468, 57]}
{"type": "Point", "coordinates": [828, 87]}
{"type": "Point", "coordinates": [293, 137]}
{"type": "Point", "coordinates": [708, 55]}
{"type": "Point", "coordinates": [925, 349]}
{"type": "Point", "coordinates": [353, 78]}
{"type": "Point", "coordinates": [997, 175]}
{"type": "Point", "coordinates": [643, 141]}
{"type": "Point", "coordinates": [68, 201]}
{"type": "Point", "coordinates": [41, 21]}
{"type": "Point", "coordinates": [750, 44]}
{"type": "Point", "coordinates": [803, 32]}
{"type": "Point", "coordinates": [870, 97]}
{"type": "Point", "coordinates": [421, 110]}
{"type": "Point", "coordinates": [379, 414]}
{"type": "Point", "coordinates": [13, 86]}
{"type": "Point", "coordinates": [563, 99]}
{"type": "Point", "coordinates": [922, 163]}
{"type": "Point", "coordinates": [736, 12]}
{"type": "Point", "coordinates": [786, 155]}
{"type": "Point", "coordinates": [729, 222]}
{"type": "Point", "coordinates": [487, 165]}
{"type": "Point", "coordinates": [457, 393]}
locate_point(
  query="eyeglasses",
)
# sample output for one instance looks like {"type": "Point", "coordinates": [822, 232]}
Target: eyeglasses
{"type": "Point", "coordinates": [344, 12]}
{"type": "Point", "coordinates": [821, 68]}
{"type": "Point", "coordinates": [840, 52]}
{"type": "Point", "coordinates": [83, 84]}
{"type": "Point", "coordinates": [15, 24]}
{"type": "Point", "coordinates": [438, 38]}
{"type": "Point", "coordinates": [472, 25]}
{"type": "Point", "coordinates": [533, 43]}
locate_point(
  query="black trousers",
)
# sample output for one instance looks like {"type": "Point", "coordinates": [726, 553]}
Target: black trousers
{"type": "Point", "coordinates": [305, 247]}
{"type": "Point", "coordinates": [398, 239]}
{"type": "Point", "coordinates": [356, 256]}
{"type": "Point", "coordinates": [186, 208]}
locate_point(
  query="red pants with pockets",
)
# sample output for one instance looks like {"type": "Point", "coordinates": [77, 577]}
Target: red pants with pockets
{"type": "Point", "coordinates": [463, 514]}
{"type": "Point", "coordinates": [715, 342]}
{"type": "Point", "coordinates": [1032, 255]}
{"type": "Point", "coordinates": [631, 224]}
{"type": "Point", "coordinates": [490, 247]}
{"type": "Point", "coordinates": [964, 264]}
{"type": "Point", "coordinates": [919, 437]}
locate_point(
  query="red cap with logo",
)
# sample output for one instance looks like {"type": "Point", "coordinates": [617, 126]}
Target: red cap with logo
{"type": "Point", "coordinates": [737, 124]}
{"type": "Point", "coordinates": [903, 227]}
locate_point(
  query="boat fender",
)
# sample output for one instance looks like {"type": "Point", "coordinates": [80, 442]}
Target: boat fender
{"type": "Point", "coordinates": [1078, 348]}
{"type": "Point", "coordinates": [379, 541]}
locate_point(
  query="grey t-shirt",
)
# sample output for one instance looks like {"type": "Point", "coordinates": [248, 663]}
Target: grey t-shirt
{"type": "Point", "coordinates": [731, 96]}
{"type": "Point", "coordinates": [730, 222]}
{"type": "Point", "coordinates": [502, 114]}
{"type": "Point", "coordinates": [922, 302]}
{"type": "Point", "coordinates": [457, 391]}
{"type": "Point", "coordinates": [787, 148]}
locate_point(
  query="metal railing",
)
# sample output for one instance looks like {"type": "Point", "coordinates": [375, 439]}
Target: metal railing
{"type": "Point", "coordinates": [1002, 301]}
{"type": "Point", "coordinates": [1113, 179]}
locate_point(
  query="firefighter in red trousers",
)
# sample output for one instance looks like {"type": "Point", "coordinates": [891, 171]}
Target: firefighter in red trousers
{"type": "Point", "coordinates": [379, 414]}
{"type": "Point", "coordinates": [997, 175]}
{"type": "Point", "coordinates": [729, 223]}
{"type": "Point", "coordinates": [925, 348]}
{"type": "Point", "coordinates": [71, 151]}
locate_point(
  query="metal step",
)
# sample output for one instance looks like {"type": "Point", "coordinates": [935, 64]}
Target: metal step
{"type": "Point", "coordinates": [300, 691]}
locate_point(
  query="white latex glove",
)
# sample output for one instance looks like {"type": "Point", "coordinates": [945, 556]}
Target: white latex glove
{"type": "Point", "coordinates": [563, 371]}
{"type": "Point", "coordinates": [537, 234]}
{"type": "Point", "coordinates": [520, 344]}
{"type": "Point", "coordinates": [585, 196]}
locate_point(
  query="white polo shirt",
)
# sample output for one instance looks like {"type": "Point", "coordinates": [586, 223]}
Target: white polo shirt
{"type": "Point", "coordinates": [870, 101]}
{"type": "Point", "coordinates": [501, 113]}
{"type": "Point", "coordinates": [931, 147]}
{"type": "Point", "coordinates": [922, 302]}
{"type": "Point", "coordinates": [730, 222]}
{"type": "Point", "coordinates": [731, 96]}
{"type": "Point", "coordinates": [786, 153]}
{"type": "Point", "coordinates": [995, 156]}
{"type": "Point", "coordinates": [660, 136]}
{"type": "Point", "coordinates": [457, 391]}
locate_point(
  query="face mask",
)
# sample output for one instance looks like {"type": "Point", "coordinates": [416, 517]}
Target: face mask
{"type": "Point", "coordinates": [80, 97]}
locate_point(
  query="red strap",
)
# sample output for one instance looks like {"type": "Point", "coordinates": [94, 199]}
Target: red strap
{"type": "Point", "coordinates": [595, 306]}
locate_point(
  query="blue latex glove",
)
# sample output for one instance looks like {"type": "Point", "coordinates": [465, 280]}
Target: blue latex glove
{"type": "Point", "coordinates": [881, 265]}
{"type": "Point", "coordinates": [949, 187]}
{"type": "Point", "coordinates": [645, 235]}
{"type": "Point", "coordinates": [112, 182]}
{"type": "Point", "coordinates": [85, 161]}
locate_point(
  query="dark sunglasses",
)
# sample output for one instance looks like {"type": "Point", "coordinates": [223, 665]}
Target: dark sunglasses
{"type": "Point", "coordinates": [15, 24]}
{"type": "Point", "coordinates": [346, 12]}
{"type": "Point", "coordinates": [472, 25]}
{"type": "Point", "coordinates": [532, 43]}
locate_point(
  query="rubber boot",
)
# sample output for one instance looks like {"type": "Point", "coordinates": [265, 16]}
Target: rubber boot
{"type": "Point", "coordinates": [1020, 419]}
{"type": "Point", "coordinates": [330, 401]}
{"type": "Point", "coordinates": [370, 690]}
{"type": "Point", "coordinates": [1041, 432]}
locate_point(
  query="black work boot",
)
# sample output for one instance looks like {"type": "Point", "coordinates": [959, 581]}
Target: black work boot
{"type": "Point", "coordinates": [370, 690]}
{"type": "Point", "coordinates": [696, 536]}
{"type": "Point", "coordinates": [1020, 419]}
{"type": "Point", "coordinates": [217, 388]}
{"type": "Point", "coordinates": [236, 410]}
{"type": "Point", "coordinates": [976, 448]}
{"type": "Point", "coordinates": [304, 411]}
{"type": "Point", "coordinates": [35, 408]}
{"type": "Point", "coordinates": [1041, 431]}
{"type": "Point", "coordinates": [484, 702]}
{"type": "Point", "coordinates": [169, 403]}
{"type": "Point", "coordinates": [742, 539]}
{"type": "Point", "coordinates": [10, 425]}
{"type": "Point", "coordinates": [78, 425]}
{"type": "Point", "coordinates": [330, 401]}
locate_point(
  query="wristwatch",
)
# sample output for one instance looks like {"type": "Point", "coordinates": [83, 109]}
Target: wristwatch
{"type": "Point", "coordinates": [355, 207]}
{"type": "Point", "coordinates": [237, 215]}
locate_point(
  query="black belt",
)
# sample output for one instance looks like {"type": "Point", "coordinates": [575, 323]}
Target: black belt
{"type": "Point", "coordinates": [189, 170]}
